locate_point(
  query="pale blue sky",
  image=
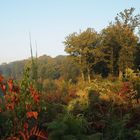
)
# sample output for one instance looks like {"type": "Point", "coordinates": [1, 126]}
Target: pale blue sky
{"type": "Point", "coordinates": [50, 21]}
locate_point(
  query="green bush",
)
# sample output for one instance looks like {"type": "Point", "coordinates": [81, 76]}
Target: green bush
{"type": "Point", "coordinates": [67, 127]}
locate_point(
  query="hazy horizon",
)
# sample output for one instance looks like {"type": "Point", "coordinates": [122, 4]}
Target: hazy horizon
{"type": "Point", "coordinates": [49, 22]}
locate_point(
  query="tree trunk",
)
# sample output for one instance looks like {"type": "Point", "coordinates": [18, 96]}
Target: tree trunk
{"type": "Point", "coordinates": [88, 74]}
{"type": "Point", "coordinates": [82, 74]}
{"type": "Point", "coordinates": [120, 75]}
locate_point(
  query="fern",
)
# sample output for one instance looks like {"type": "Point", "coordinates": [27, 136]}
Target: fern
{"type": "Point", "coordinates": [68, 127]}
{"type": "Point", "coordinates": [35, 131]}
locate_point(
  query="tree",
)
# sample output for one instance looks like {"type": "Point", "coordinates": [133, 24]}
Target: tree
{"type": "Point", "coordinates": [137, 57]}
{"type": "Point", "coordinates": [119, 43]}
{"type": "Point", "coordinates": [81, 47]}
{"type": "Point", "coordinates": [127, 52]}
{"type": "Point", "coordinates": [69, 70]}
{"type": "Point", "coordinates": [127, 18]}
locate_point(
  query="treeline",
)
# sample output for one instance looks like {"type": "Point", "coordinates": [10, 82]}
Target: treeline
{"type": "Point", "coordinates": [47, 68]}
{"type": "Point", "coordinates": [13, 69]}
{"type": "Point", "coordinates": [110, 51]}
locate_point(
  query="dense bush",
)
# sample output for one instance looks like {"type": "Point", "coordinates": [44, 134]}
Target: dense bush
{"type": "Point", "coordinates": [100, 110]}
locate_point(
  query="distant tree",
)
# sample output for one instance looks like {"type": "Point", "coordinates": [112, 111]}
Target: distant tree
{"type": "Point", "coordinates": [6, 70]}
{"type": "Point", "coordinates": [69, 70]}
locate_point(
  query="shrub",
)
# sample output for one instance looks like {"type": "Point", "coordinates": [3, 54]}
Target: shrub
{"type": "Point", "coordinates": [68, 127]}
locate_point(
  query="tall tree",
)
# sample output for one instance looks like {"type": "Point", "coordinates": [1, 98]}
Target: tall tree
{"type": "Point", "coordinates": [120, 42]}
{"type": "Point", "coordinates": [81, 47]}
{"type": "Point", "coordinates": [137, 57]}
{"type": "Point", "coordinates": [127, 18]}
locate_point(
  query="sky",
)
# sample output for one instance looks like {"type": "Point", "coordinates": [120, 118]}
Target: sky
{"type": "Point", "coordinates": [49, 22]}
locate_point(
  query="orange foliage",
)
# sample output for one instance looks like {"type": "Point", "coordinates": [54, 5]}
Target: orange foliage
{"type": "Point", "coordinates": [35, 131]}
{"type": "Point", "coordinates": [15, 100]}
{"type": "Point", "coordinates": [35, 95]}
{"type": "Point", "coordinates": [32, 114]}
{"type": "Point", "coordinates": [10, 106]}
{"type": "Point", "coordinates": [1, 78]}
{"type": "Point", "coordinates": [26, 126]}
{"type": "Point", "coordinates": [10, 84]}
{"type": "Point", "coordinates": [28, 107]}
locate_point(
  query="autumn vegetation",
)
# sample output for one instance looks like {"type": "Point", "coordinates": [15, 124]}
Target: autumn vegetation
{"type": "Point", "coordinates": [93, 93]}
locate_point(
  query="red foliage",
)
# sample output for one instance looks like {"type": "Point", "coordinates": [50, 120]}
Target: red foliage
{"type": "Point", "coordinates": [32, 114]}
{"type": "Point", "coordinates": [35, 95]}
{"type": "Point", "coordinates": [3, 87]}
{"type": "Point", "coordinates": [26, 126]}
{"type": "Point", "coordinates": [15, 101]}
{"type": "Point", "coordinates": [13, 88]}
{"type": "Point", "coordinates": [0, 110]}
{"type": "Point", "coordinates": [10, 106]}
{"type": "Point", "coordinates": [1, 78]}
{"type": "Point", "coordinates": [125, 90]}
{"type": "Point", "coordinates": [35, 131]}
{"type": "Point", "coordinates": [10, 84]}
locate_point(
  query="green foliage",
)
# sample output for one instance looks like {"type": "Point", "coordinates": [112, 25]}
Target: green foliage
{"type": "Point", "coordinates": [137, 132]}
{"type": "Point", "coordinates": [120, 49]}
{"type": "Point", "coordinates": [68, 127]}
{"type": "Point", "coordinates": [137, 57]}
{"type": "Point", "coordinates": [129, 75]}
{"type": "Point", "coordinates": [81, 46]}
{"type": "Point", "coordinates": [97, 136]}
{"type": "Point", "coordinates": [116, 129]}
